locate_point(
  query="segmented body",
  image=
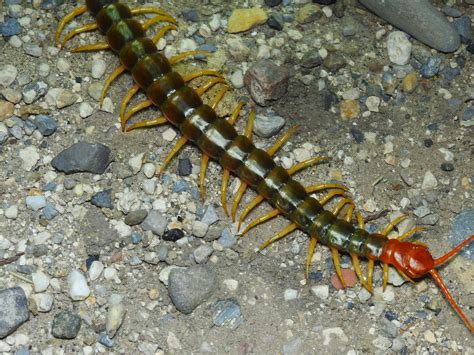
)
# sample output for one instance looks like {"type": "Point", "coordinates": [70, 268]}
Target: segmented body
{"type": "Point", "coordinates": [199, 123]}
{"type": "Point", "coordinates": [182, 106]}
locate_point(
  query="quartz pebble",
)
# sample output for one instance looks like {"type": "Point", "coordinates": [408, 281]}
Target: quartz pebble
{"type": "Point", "coordinates": [40, 281]}
{"type": "Point", "coordinates": [44, 301]}
{"type": "Point", "coordinates": [78, 288]}
{"type": "Point", "coordinates": [321, 291]}
{"type": "Point", "coordinates": [98, 68]}
{"type": "Point", "coordinates": [290, 294]}
{"type": "Point", "coordinates": [398, 47]}
{"type": "Point", "coordinates": [95, 270]}
{"type": "Point", "coordinates": [115, 317]}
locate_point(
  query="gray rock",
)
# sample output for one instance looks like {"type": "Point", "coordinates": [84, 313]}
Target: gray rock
{"type": "Point", "coordinates": [13, 310]}
{"type": "Point", "coordinates": [420, 19]}
{"type": "Point", "coordinates": [46, 124]}
{"type": "Point", "coordinates": [202, 253]}
{"type": "Point", "coordinates": [83, 157]}
{"type": "Point", "coordinates": [227, 313]}
{"type": "Point", "coordinates": [190, 287]}
{"type": "Point", "coordinates": [135, 217]}
{"type": "Point", "coordinates": [463, 26]}
{"type": "Point", "coordinates": [155, 222]}
{"type": "Point", "coordinates": [210, 216]}
{"type": "Point", "coordinates": [66, 325]}
{"type": "Point", "coordinates": [268, 126]}
{"type": "Point", "coordinates": [463, 227]}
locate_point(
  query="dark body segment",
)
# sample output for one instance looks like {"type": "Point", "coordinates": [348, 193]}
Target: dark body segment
{"type": "Point", "coordinates": [218, 139]}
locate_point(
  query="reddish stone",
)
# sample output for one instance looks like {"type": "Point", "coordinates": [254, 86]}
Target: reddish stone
{"type": "Point", "coordinates": [350, 278]}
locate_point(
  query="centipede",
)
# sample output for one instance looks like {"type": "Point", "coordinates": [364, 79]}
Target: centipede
{"type": "Point", "coordinates": [340, 228]}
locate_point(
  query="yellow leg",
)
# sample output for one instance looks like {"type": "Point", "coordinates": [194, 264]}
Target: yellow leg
{"type": "Point", "coordinates": [279, 236]}
{"type": "Point", "coordinates": [360, 220]}
{"type": "Point", "coordinates": [159, 35]}
{"type": "Point", "coordinates": [337, 265]}
{"type": "Point", "coordinates": [181, 142]}
{"type": "Point", "coordinates": [391, 225]}
{"type": "Point", "coordinates": [202, 176]}
{"type": "Point", "coordinates": [74, 13]}
{"type": "Point", "coordinates": [346, 201]}
{"type": "Point", "coordinates": [243, 185]}
{"type": "Point", "coordinates": [184, 55]}
{"type": "Point", "coordinates": [156, 19]}
{"type": "Point", "coordinates": [370, 273]}
{"type": "Point", "coordinates": [282, 140]}
{"type": "Point", "coordinates": [114, 75]}
{"type": "Point", "coordinates": [358, 271]}
{"type": "Point", "coordinates": [226, 175]}
{"type": "Point", "coordinates": [385, 275]}
{"type": "Point", "coordinates": [123, 106]}
{"type": "Point", "coordinates": [312, 246]}
{"type": "Point", "coordinates": [148, 10]}
{"type": "Point", "coordinates": [91, 47]}
{"type": "Point", "coordinates": [187, 78]}
{"type": "Point", "coordinates": [84, 28]}
{"type": "Point", "coordinates": [201, 90]}
{"type": "Point", "coordinates": [254, 203]}
{"type": "Point", "coordinates": [136, 108]}
{"type": "Point", "coordinates": [273, 213]}
{"type": "Point", "coordinates": [215, 101]}
{"type": "Point", "coordinates": [325, 199]}
{"type": "Point", "coordinates": [410, 233]}
{"type": "Point", "coordinates": [147, 123]}
{"type": "Point", "coordinates": [321, 187]}
{"type": "Point", "coordinates": [306, 163]}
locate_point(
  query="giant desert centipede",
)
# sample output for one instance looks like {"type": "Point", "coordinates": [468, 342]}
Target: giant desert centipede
{"type": "Point", "coordinates": [183, 107]}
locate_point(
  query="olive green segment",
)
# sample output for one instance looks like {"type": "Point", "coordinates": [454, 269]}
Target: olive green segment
{"type": "Point", "coordinates": [320, 226]}
{"type": "Point", "coordinates": [374, 245]}
{"type": "Point", "coordinates": [306, 213]}
{"type": "Point", "coordinates": [149, 69]}
{"type": "Point", "coordinates": [289, 196]}
{"type": "Point", "coordinates": [112, 14]}
{"type": "Point", "coordinates": [180, 105]}
{"type": "Point", "coordinates": [216, 138]}
{"type": "Point", "coordinates": [339, 235]}
{"type": "Point", "coordinates": [197, 122]}
{"type": "Point", "coordinates": [257, 165]}
{"type": "Point", "coordinates": [236, 153]}
{"type": "Point", "coordinates": [159, 91]}
{"type": "Point", "coordinates": [133, 51]}
{"type": "Point", "coordinates": [123, 32]}
{"type": "Point", "coordinates": [274, 180]}
{"type": "Point", "coordinates": [357, 241]}
{"type": "Point", "coordinates": [94, 6]}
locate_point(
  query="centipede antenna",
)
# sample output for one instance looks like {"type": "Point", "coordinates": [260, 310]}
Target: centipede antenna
{"type": "Point", "coordinates": [453, 252]}
{"type": "Point", "coordinates": [448, 296]}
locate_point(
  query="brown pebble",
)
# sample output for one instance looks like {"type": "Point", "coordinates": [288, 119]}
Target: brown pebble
{"type": "Point", "coordinates": [350, 278]}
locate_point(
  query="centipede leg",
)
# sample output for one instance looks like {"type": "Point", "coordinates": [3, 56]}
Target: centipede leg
{"type": "Point", "coordinates": [346, 201]}
{"type": "Point", "coordinates": [330, 195]}
{"type": "Point", "coordinates": [321, 187]}
{"type": "Point", "coordinates": [187, 78]}
{"type": "Point", "coordinates": [391, 225]}
{"type": "Point", "coordinates": [123, 106]}
{"type": "Point", "coordinates": [410, 233]}
{"type": "Point", "coordinates": [91, 47]}
{"type": "Point", "coordinates": [273, 213]}
{"type": "Point", "coordinates": [147, 123]}
{"type": "Point", "coordinates": [114, 75]}
{"type": "Point", "coordinates": [279, 236]}
{"type": "Point", "coordinates": [243, 185]}
{"type": "Point", "coordinates": [337, 266]}
{"type": "Point", "coordinates": [74, 13]}
{"type": "Point", "coordinates": [305, 164]}
{"type": "Point", "coordinates": [219, 96]}
{"type": "Point", "coordinates": [181, 142]}
{"type": "Point", "coordinates": [136, 108]}
{"type": "Point", "coordinates": [160, 18]}
{"type": "Point", "coordinates": [202, 175]}
{"type": "Point", "coordinates": [358, 271]}
{"type": "Point", "coordinates": [201, 90]}
{"type": "Point", "coordinates": [160, 34]}
{"type": "Point", "coordinates": [84, 28]}
{"type": "Point", "coordinates": [184, 55]}
{"type": "Point", "coordinates": [148, 10]}
{"type": "Point", "coordinates": [313, 241]}
{"type": "Point", "coordinates": [226, 174]}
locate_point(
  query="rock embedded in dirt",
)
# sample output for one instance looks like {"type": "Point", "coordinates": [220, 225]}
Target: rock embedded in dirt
{"type": "Point", "coordinates": [83, 157]}
{"type": "Point", "coordinates": [190, 287]}
{"type": "Point", "coordinates": [245, 19]}
{"type": "Point", "coordinates": [266, 81]}
{"type": "Point", "coordinates": [267, 126]}
{"type": "Point", "coordinates": [154, 222]}
{"type": "Point", "coordinates": [13, 310]}
{"type": "Point", "coordinates": [66, 325]}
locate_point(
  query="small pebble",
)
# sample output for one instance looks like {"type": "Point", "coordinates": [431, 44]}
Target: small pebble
{"type": "Point", "coordinates": [321, 291]}
{"type": "Point", "coordinates": [98, 68]}
{"type": "Point", "coordinates": [66, 325]}
{"type": "Point", "coordinates": [290, 294]}
{"type": "Point", "coordinates": [350, 279]}
{"type": "Point", "coordinates": [40, 281]}
{"type": "Point", "coordinates": [78, 288]}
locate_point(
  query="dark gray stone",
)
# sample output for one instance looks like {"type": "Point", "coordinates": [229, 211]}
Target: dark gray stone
{"type": "Point", "coordinates": [135, 217]}
{"type": "Point", "coordinates": [420, 19]}
{"type": "Point", "coordinates": [463, 26]}
{"type": "Point", "coordinates": [83, 157]}
{"type": "Point", "coordinates": [66, 325]}
{"type": "Point", "coordinates": [154, 222]}
{"type": "Point", "coordinates": [13, 310]}
{"type": "Point", "coordinates": [190, 287]}
{"type": "Point", "coordinates": [103, 199]}
{"type": "Point", "coordinates": [463, 227]}
{"type": "Point", "coordinates": [46, 124]}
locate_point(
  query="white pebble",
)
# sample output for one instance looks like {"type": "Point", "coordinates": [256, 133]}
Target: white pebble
{"type": "Point", "coordinates": [302, 154]}
{"type": "Point", "coordinates": [44, 301]}
{"type": "Point", "coordinates": [85, 109]}
{"type": "Point", "coordinates": [429, 181]}
{"type": "Point", "coordinates": [429, 336]}
{"type": "Point", "coordinates": [149, 170]}
{"type": "Point", "coordinates": [63, 65]}
{"type": "Point", "coordinates": [115, 316]}
{"type": "Point", "coordinates": [149, 186]}
{"type": "Point", "coordinates": [40, 281]}
{"type": "Point", "coordinates": [330, 333]}
{"type": "Point", "coordinates": [29, 157]}
{"type": "Point", "coordinates": [95, 270]}
{"type": "Point", "coordinates": [5, 244]}
{"type": "Point", "coordinates": [169, 134]}
{"type": "Point", "coordinates": [373, 103]}
{"type": "Point", "coordinates": [98, 68]}
{"type": "Point", "coordinates": [8, 74]}
{"type": "Point", "coordinates": [199, 229]}
{"type": "Point", "coordinates": [237, 79]}
{"type": "Point", "coordinates": [110, 273]}
{"type": "Point", "coordinates": [364, 295]}
{"type": "Point", "coordinates": [321, 291]}
{"type": "Point", "coordinates": [447, 154]}
{"type": "Point", "coordinates": [78, 288]}
{"type": "Point", "coordinates": [11, 212]}
{"type": "Point", "coordinates": [290, 294]}
{"type": "Point", "coordinates": [35, 202]}
{"type": "Point", "coordinates": [398, 47]}
{"type": "Point", "coordinates": [231, 284]}
{"type": "Point", "coordinates": [135, 163]}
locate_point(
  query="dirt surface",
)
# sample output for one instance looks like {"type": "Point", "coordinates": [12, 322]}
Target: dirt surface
{"type": "Point", "coordinates": [401, 145]}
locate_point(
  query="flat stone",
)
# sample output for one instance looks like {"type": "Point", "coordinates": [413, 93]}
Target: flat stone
{"type": "Point", "coordinates": [13, 310]}
{"type": "Point", "coordinates": [245, 19]}
{"type": "Point", "coordinates": [190, 287]}
{"type": "Point", "coordinates": [155, 222]}
{"type": "Point", "coordinates": [83, 157]}
{"type": "Point", "coordinates": [420, 19]}
{"type": "Point", "coordinates": [227, 313]}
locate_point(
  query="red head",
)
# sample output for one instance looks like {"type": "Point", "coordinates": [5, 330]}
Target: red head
{"type": "Point", "coordinates": [415, 260]}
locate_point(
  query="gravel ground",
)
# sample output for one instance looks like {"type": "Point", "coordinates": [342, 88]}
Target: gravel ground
{"type": "Point", "coordinates": [99, 254]}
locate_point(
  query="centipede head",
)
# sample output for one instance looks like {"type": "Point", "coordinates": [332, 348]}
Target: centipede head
{"type": "Point", "coordinates": [414, 260]}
